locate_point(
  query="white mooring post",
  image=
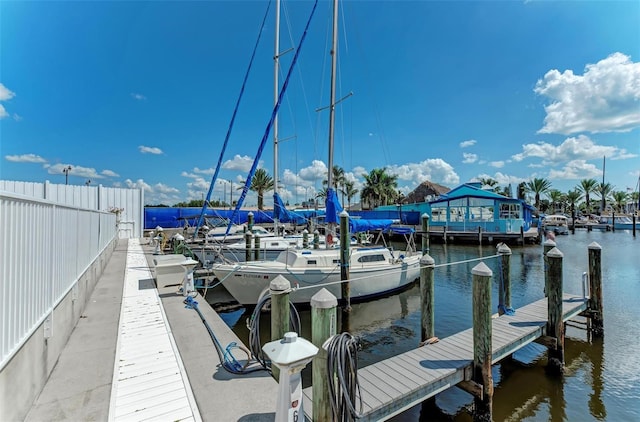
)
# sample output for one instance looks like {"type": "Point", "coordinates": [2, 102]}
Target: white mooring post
{"type": "Point", "coordinates": [291, 355]}
{"type": "Point", "coordinates": [187, 281]}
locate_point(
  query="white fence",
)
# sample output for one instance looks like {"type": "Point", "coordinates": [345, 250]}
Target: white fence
{"type": "Point", "coordinates": [99, 198]}
{"type": "Point", "coordinates": [45, 248]}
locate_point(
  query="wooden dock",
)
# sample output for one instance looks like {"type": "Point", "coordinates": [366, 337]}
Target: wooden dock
{"type": "Point", "coordinates": [396, 384]}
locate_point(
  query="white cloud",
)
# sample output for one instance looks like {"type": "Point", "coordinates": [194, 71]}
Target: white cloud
{"type": "Point", "coordinates": [435, 170]}
{"type": "Point", "coordinates": [239, 163]}
{"type": "Point", "coordinates": [497, 164]}
{"type": "Point", "coordinates": [76, 171]}
{"type": "Point", "coordinates": [5, 93]}
{"type": "Point", "coordinates": [317, 171]}
{"type": "Point", "coordinates": [574, 148]}
{"type": "Point", "coordinates": [17, 117]}
{"type": "Point", "coordinates": [576, 170]}
{"type": "Point", "coordinates": [469, 143]}
{"type": "Point", "coordinates": [25, 158]}
{"type": "Point", "coordinates": [469, 158]}
{"type": "Point", "coordinates": [109, 173]}
{"type": "Point", "coordinates": [138, 97]}
{"type": "Point", "coordinates": [3, 112]}
{"type": "Point", "coordinates": [503, 179]}
{"type": "Point", "coordinates": [605, 99]}
{"type": "Point", "coordinates": [149, 150]}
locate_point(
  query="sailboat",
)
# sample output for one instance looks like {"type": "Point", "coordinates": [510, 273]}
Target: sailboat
{"type": "Point", "coordinates": [374, 271]}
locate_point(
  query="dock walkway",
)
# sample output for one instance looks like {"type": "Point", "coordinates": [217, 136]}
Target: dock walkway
{"type": "Point", "coordinates": [394, 385]}
{"type": "Point", "coordinates": [138, 354]}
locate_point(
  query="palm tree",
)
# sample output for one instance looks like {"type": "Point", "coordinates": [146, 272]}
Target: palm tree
{"type": "Point", "coordinates": [260, 183]}
{"type": "Point", "coordinates": [522, 190]}
{"type": "Point", "coordinates": [337, 180]}
{"type": "Point", "coordinates": [620, 198]}
{"type": "Point", "coordinates": [379, 188]}
{"type": "Point", "coordinates": [492, 183]}
{"type": "Point", "coordinates": [604, 190]}
{"type": "Point", "coordinates": [350, 191]}
{"type": "Point", "coordinates": [556, 197]}
{"type": "Point", "coordinates": [587, 187]}
{"type": "Point", "coordinates": [573, 197]}
{"type": "Point", "coordinates": [537, 186]}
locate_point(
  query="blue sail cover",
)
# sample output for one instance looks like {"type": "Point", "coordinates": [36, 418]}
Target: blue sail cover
{"type": "Point", "coordinates": [356, 225]}
{"type": "Point", "coordinates": [282, 214]}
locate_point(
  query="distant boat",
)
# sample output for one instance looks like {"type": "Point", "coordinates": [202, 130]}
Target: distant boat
{"type": "Point", "coordinates": [556, 223]}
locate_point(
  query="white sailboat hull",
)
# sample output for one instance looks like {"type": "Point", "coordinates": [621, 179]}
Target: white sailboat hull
{"type": "Point", "coordinates": [246, 282]}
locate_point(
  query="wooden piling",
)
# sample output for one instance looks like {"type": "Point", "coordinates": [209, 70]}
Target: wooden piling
{"type": "Point", "coordinates": [613, 221]}
{"type": "Point", "coordinates": [444, 234]}
{"type": "Point", "coordinates": [633, 218]}
{"type": "Point", "coordinates": [482, 342]}
{"type": "Point", "coordinates": [247, 246]}
{"type": "Point", "coordinates": [323, 326]}
{"type": "Point", "coordinates": [504, 287]}
{"type": "Point", "coordinates": [427, 297]}
{"type": "Point", "coordinates": [546, 247]}
{"type": "Point", "coordinates": [279, 289]}
{"type": "Point", "coordinates": [256, 248]}
{"type": "Point", "coordinates": [480, 235]}
{"type": "Point", "coordinates": [555, 324]}
{"type": "Point", "coordinates": [305, 239]}
{"type": "Point", "coordinates": [522, 235]}
{"type": "Point", "coordinates": [425, 233]}
{"type": "Point", "coordinates": [595, 286]}
{"type": "Point", "coordinates": [250, 222]}
{"type": "Point", "coordinates": [344, 260]}
{"type": "Point", "coordinates": [316, 239]}
{"type": "Point", "coordinates": [573, 220]}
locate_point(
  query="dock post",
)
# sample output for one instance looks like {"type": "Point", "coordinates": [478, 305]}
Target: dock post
{"type": "Point", "coordinates": [323, 326]}
{"type": "Point", "coordinates": [316, 239]}
{"type": "Point", "coordinates": [613, 221]}
{"type": "Point", "coordinates": [555, 324]}
{"type": "Point", "coordinates": [305, 239]}
{"type": "Point", "coordinates": [250, 222]}
{"type": "Point", "coordinates": [573, 220]}
{"type": "Point", "coordinates": [504, 288]}
{"type": "Point", "coordinates": [633, 219]}
{"type": "Point", "coordinates": [595, 286]}
{"type": "Point", "coordinates": [480, 235]}
{"type": "Point", "coordinates": [482, 342]}
{"type": "Point", "coordinates": [522, 235]}
{"type": "Point", "coordinates": [256, 248]}
{"type": "Point", "coordinates": [425, 233]}
{"type": "Point", "coordinates": [247, 246]}
{"type": "Point", "coordinates": [279, 289]}
{"type": "Point", "coordinates": [547, 246]}
{"type": "Point", "coordinates": [344, 260]}
{"type": "Point", "coordinates": [444, 234]}
{"type": "Point", "coordinates": [427, 297]}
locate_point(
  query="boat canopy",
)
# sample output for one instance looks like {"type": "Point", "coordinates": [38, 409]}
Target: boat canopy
{"type": "Point", "coordinates": [356, 225]}
{"type": "Point", "coordinates": [282, 214]}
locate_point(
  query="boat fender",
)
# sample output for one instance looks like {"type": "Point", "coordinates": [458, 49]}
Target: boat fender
{"type": "Point", "coordinates": [329, 239]}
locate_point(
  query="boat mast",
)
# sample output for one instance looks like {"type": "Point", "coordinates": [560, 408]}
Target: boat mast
{"type": "Point", "coordinates": [332, 99]}
{"type": "Point", "coordinates": [332, 106]}
{"type": "Point", "coordinates": [602, 199]}
{"type": "Point", "coordinates": [276, 68]}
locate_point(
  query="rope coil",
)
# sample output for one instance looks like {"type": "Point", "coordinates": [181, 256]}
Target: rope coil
{"type": "Point", "coordinates": [342, 368]}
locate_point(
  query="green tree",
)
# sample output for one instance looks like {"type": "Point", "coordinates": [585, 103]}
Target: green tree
{"type": "Point", "coordinates": [491, 183]}
{"type": "Point", "coordinates": [538, 186]}
{"type": "Point", "coordinates": [587, 187]}
{"type": "Point", "coordinates": [573, 197]}
{"type": "Point", "coordinates": [556, 198]}
{"type": "Point", "coordinates": [260, 183]}
{"type": "Point", "coordinates": [604, 190]}
{"type": "Point", "coordinates": [380, 188]}
{"type": "Point", "coordinates": [620, 198]}
{"type": "Point", "coordinates": [350, 191]}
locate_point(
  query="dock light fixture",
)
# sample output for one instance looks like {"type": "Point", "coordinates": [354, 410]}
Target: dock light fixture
{"type": "Point", "coordinates": [66, 171]}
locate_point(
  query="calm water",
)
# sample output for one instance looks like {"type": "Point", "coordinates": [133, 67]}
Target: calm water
{"type": "Point", "coordinates": [602, 380]}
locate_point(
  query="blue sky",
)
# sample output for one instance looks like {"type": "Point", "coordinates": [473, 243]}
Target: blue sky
{"type": "Point", "coordinates": [141, 94]}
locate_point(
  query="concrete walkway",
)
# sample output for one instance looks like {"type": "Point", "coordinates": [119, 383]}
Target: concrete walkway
{"type": "Point", "coordinates": [80, 386]}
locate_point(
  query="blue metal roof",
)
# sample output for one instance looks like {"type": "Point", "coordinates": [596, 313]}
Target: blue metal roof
{"type": "Point", "coordinates": [471, 190]}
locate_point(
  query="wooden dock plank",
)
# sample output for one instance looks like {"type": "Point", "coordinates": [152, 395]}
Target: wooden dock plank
{"type": "Point", "coordinates": [400, 382]}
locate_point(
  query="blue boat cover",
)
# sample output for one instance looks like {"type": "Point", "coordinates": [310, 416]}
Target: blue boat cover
{"type": "Point", "coordinates": [356, 225]}
{"type": "Point", "coordinates": [283, 215]}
